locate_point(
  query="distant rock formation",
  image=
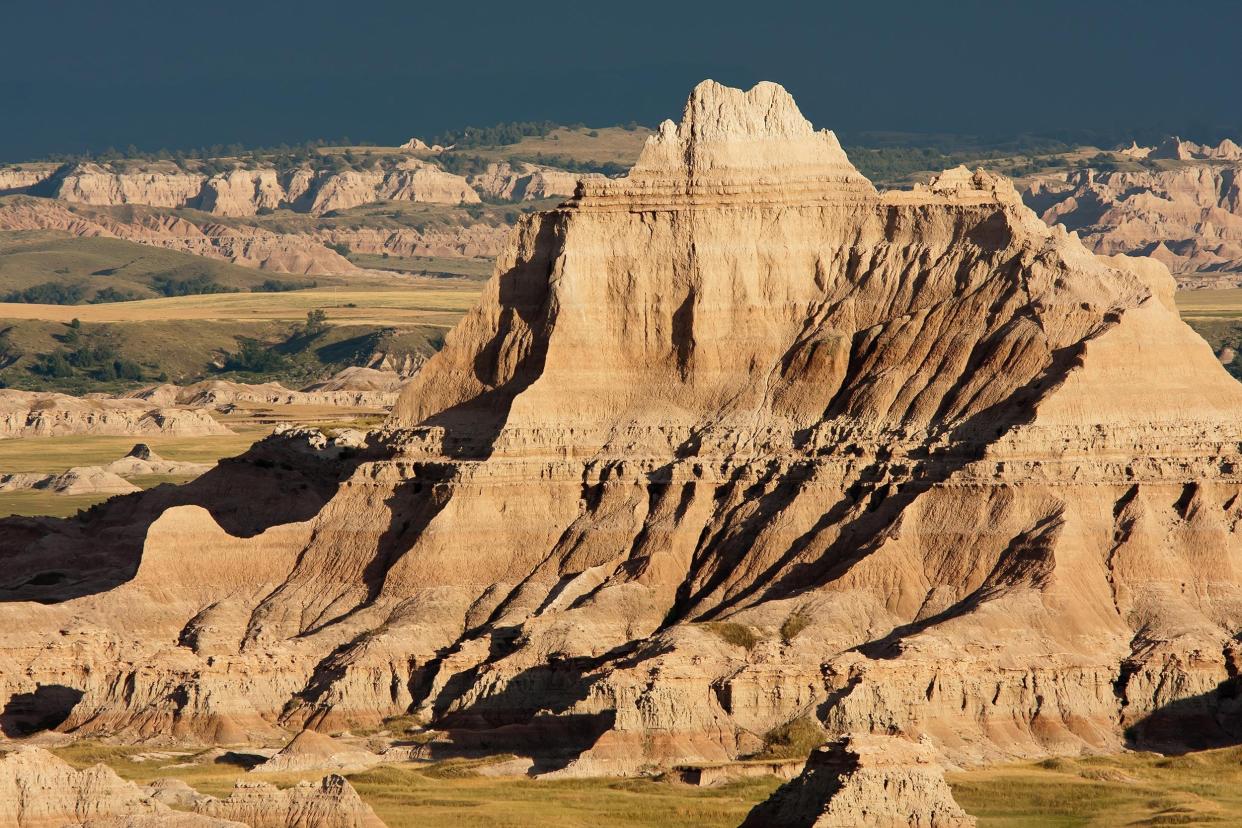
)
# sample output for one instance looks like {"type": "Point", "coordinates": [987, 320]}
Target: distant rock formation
{"type": "Point", "coordinates": [350, 388]}
{"type": "Point", "coordinates": [298, 253]}
{"type": "Point", "coordinates": [1189, 218]}
{"type": "Point", "coordinates": [75, 481]}
{"type": "Point", "coordinates": [47, 414]}
{"type": "Point", "coordinates": [1176, 149]}
{"type": "Point", "coordinates": [416, 145]}
{"type": "Point", "coordinates": [310, 750]}
{"type": "Point", "coordinates": [1135, 151]}
{"type": "Point", "coordinates": [39, 790]}
{"type": "Point", "coordinates": [872, 781]}
{"type": "Point", "coordinates": [518, 181]}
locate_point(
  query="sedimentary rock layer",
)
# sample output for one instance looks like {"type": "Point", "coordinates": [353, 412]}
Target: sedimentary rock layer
{"type": "Point", "coordinates": [730, 443]}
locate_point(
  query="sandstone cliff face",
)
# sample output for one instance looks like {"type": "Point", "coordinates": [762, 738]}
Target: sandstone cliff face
{"type": "Point", "coordinates": [728, 443]}
{"type": "Point", "coordinates": [413, 181]}
{"type": "Point", "coordinates": [1189, 218]}
{"type": "Point", "coordinates": [876, 781]}
{"type": "Point", "coordinates": [93, 184]}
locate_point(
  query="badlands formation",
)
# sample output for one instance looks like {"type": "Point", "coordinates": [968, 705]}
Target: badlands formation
{"type": "Point", "coordinates": [69, 194]}
{"type": "Point", "coordinates": [731, 444]}
{"type": "Point", "coordinates": [1188, 217]}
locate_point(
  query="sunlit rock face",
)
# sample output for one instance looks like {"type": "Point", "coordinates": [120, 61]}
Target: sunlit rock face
{"type": "Point", "coordinates": [730, 442]}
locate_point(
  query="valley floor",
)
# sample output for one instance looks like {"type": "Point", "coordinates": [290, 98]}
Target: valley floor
{"type": "Point", "coordinates": [1148, 789]}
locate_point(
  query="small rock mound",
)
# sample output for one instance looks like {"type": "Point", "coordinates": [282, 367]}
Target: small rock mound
{"type": "Point", "coordinates": [877, 781]}
{"type": "Point", "coordinates": [330, 803]}
{"type": "Point", "coordinates": [310, 750]}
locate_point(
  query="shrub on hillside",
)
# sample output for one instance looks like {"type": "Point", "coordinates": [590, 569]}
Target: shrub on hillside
{"type": "Point", "coordinates": [48, 293]}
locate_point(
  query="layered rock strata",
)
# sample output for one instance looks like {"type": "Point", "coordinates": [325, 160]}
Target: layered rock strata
{"type": "Point", "coordinates": [728, 444]}
{"type": "Point", "coordinates": [876, 781]}
{"type": "Point", "coordinates": [47, 414]}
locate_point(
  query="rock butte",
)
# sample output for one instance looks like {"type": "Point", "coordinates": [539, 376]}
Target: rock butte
{"type": "Point", "coordinates": [873, 781]}
{"type": "Point", "coordinates": [728, 443]}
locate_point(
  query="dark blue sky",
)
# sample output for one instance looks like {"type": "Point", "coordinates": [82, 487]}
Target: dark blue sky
{"type": "Point", "coordinates": [78, 75]}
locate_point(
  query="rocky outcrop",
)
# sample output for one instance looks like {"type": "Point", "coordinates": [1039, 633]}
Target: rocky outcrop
{"type": "Point", "coordinates": [141, 460]}
{"type": "Point", "coordinates": [417, 145]}
{"type": "Point", "coordinates": [330, 803]}
{"type": "Point", "coordinates": [23, 177]}
{"type": "Point", "coordinates": [44, 414]}
{"type": "Point", "coordinates": [877, 781]}
{"type": "Point", "coordinates": [246, 246]}
{"type": "Point", "coordinates": [412, 180]}
{"type": "Point", "coordinates": [1188, 218]}
{"type": "Point", "coordinates": [310, 750]}
{"type": "Point", "coordinates": [518, 181]}
{"type": "Point", "coordinates": [161, 185]}
{"type": "Point", "coordinates": [1135, 151]}
{"type": "Point", "coordinates": [241, 192]}
{"type": "Point", "coordinates": [361, 388]}
{"type": "Point", "coordinates": [75, 481]}
{"type": "Point", "coordinates": [39, 790]}
{"type": "Point", "coordinates": [1176, 149]}
{"type": "Point", "coordinates": [728, 444]}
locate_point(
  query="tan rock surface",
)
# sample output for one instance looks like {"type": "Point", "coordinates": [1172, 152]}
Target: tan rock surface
{"type": "Point", "coordinates": [876, 781]}
{"type": "Point", "coordinates": [20, 178]}
{"type": "Point", "coordinates": [412, 181]}
{"type": "Point", "coordinates": [356, 388]}
{"type": "Point", "coordinates": [38, 790]}
{"type": "Point", "coordinates": [45, 414]}
{"type": "Point", "coordinates": [310, 750]}
{"type": "Point", "coordinates": [330, 803]}
{"type": "Point", "coordinates": [163, 185]}
{"type": "Point", "coordinates": [728, 443]}
{"type": "Point", "coordinates": [518, 181]}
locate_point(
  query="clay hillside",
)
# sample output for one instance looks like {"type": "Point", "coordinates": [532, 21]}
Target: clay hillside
{"type": "Point", "coordinates": [730, 445]}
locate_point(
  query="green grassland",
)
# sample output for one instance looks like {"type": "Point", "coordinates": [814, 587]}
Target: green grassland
{"type": "Point", "coordinates": [126, 269]}
{"type": "Point", "coordinates": [1202, 788]}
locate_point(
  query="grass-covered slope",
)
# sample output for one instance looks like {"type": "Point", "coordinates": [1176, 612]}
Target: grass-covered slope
{"type": "Point", "coordinates": [53, 268]}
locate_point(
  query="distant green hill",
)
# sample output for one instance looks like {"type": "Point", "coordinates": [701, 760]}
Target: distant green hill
{"type": "Point", "coordinates": [51, 268]}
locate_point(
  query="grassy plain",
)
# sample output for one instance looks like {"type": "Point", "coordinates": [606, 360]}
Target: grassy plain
{"type": "Point", "coordinates": [451, 793]}
{"type": "Point", "coordinates": [31, 257]}
{"type": "Point", "coordinates": [426, 301]}
{"type": "Point", "coordinates": [1146, 789]}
